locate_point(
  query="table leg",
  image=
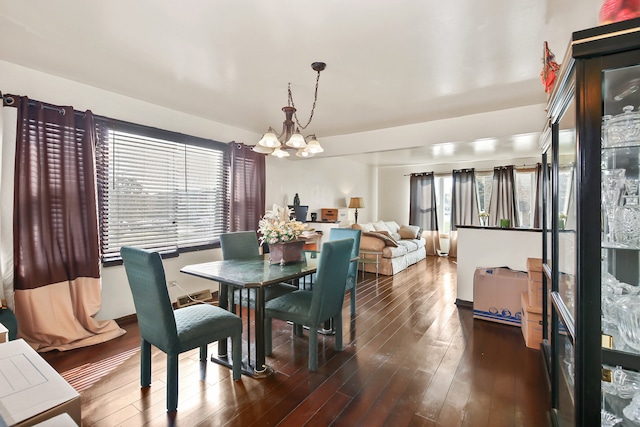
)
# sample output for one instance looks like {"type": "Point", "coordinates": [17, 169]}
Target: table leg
{"type": "Point", "coordinates": [223, 302]}
{"type": "Point", "coordinates": [261, 369]}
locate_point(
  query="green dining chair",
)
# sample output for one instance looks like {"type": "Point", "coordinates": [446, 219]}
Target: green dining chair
{"type": "Point", "coordinates": [244, 244]}
{"type": "Point", "coordinates": [174, 332]}
{"type": "Point", "coordinates": [352, 276]}
{"type": "Point", "coordinates": [313, 307]}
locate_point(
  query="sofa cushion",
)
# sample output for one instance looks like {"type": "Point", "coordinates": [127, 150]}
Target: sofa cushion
{"type": "Point", "coordinates": [394, 252]}
{"type": "Point", "coordinates": [410, 244]}
{"type": "Point", "coordinates": [409, 232]}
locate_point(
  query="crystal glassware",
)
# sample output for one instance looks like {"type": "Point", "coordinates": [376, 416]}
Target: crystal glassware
{"type": "Point", "coordinates": [612, 183]}
{"type": "Point", "coordinates": [621, 130]}
{"type": "Point", "coordinates": [626, 229]}
{"type": "Point", "coordinates": [632, 410]}
{"type": "Point", "coordinates": [628, 315]}
{"type": "Point", "coordinates": [607, 419]}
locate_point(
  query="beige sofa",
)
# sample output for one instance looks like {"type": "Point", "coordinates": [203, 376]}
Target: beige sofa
{"type": "Point", "coordinates": [401, 246]}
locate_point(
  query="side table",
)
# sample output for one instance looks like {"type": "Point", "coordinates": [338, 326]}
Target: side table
{"type": "Point", "coordinates": [369, 257]}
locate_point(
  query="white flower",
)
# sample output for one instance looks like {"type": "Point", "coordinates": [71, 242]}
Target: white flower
{"type": "Point", "coordinates": [276, 226]}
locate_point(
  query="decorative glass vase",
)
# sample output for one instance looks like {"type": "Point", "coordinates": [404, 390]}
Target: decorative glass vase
{"type": "Point", "coordinates": [286, 252]}
{"type": "Point", "coordinates": [612, 183]}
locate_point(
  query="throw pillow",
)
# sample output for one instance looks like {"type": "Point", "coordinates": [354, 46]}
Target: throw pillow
{"type": "Point", "coordinates": [384, 236]}
{"type": "Point", "coordinates": [409, 231]}
{"type": "Point", "coordinates": [380, 226]}
{"type": "Point", "coordinates": [365, 227]}
{"type": "Point", "coordinates": [392, 226]}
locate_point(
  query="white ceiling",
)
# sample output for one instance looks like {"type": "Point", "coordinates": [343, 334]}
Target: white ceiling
{"type": "Point", "coordinates": [389, 63]}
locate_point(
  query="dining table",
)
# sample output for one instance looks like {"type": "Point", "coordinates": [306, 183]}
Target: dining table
{"type": "Point", "coordinates": [255, 273]}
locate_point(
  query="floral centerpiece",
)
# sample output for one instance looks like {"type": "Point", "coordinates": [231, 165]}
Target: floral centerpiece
{"type": "Point", "coordinates": [281, 233]}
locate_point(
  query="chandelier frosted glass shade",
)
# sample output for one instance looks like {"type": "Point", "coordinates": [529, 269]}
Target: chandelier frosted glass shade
{"type": "Point", "coordinates": [314, 146]}
{"type": "Point", "coordinates": [278, 152]}
{"type": "Point", "coordinates": [296, 141]}
{"type": "Point", "coordinates": [269, 139]}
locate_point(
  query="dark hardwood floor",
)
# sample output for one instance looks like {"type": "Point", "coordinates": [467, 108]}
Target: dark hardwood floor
{"type": "Point", "coordinates": [411, 358]}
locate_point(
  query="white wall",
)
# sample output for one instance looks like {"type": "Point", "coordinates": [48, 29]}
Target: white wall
{"type": "Point", "coordinates": [322, 183]}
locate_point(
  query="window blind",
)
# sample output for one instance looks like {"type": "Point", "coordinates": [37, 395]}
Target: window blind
{"type": "Point", "coordinates": [158, 191]}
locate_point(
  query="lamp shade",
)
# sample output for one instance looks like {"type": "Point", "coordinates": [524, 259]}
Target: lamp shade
{"type": "Point", "coordinates": [356, 202]}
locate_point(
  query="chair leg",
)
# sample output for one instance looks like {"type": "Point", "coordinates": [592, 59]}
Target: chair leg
{"type": "Point", "coordinates": [236, 349]}
{"type": "Point", "coordinates": [353, 301]}
{"type": "Point", "coordinates": [145, 363]}
{"type": "Point", "coordinates": [337, 322]}
{"type": "Point", "coordinates": [172, 382]}
{"type": "Point", "coordinates": [268, 344]}
{"type": "Point", "coordinates": [203, 353]}
{"type": "Point", "coordinates": [297, 329]}
{"type": "Point", "coordinates": [313, 348]}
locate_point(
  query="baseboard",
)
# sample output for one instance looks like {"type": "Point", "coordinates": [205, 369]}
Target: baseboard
{"type": "Point", "coordinates": [464, 304]}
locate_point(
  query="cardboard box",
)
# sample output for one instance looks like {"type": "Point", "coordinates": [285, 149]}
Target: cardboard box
{"type": "Point", "coordinates": [531, 323]}
{"type": "Point", "coordinates": [329, 214]}
{"type": "Point", "coordinates": [32, 391]}
{"type": "Point", "coordinates": [534, 269]}
{"type": "Point", "coordinates": [496, 294]}
{"type": "Point", "coordinates": [534, 290]}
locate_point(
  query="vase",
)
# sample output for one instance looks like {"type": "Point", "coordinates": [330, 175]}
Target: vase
{"type": "Point", "coordinates": [286, 252]}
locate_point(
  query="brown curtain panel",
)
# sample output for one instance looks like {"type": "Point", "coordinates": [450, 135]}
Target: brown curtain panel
{"type": "Point", "coordinates": [247, 179]}
{"type": "Point", "coordinates": [56, 262]}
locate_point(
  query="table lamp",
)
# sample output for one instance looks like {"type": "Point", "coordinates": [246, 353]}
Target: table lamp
{"type": "Point", "coordinates": [356, 202]}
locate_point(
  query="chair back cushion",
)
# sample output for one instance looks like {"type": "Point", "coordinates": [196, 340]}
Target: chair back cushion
{"type": "Point", "coordinates": [239, 244]}
{"type": "Point", "coordinates": [331, 279]}
{"type": "Point", "coordinates": [151, 297]}
{"type": "Point", "coordinates": [349, 233]}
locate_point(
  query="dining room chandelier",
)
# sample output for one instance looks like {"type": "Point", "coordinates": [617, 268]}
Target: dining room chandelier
{"type": "Point", "coordinates": [290, 140]}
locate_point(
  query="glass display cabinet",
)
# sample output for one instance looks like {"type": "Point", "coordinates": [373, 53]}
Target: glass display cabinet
{"type": "Point", "coordinates": [592, 271]}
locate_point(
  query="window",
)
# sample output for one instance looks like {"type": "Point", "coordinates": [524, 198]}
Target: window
{"type": "Point", "coordinates": [526, 195]}
{"type": "Point", "coordinates": [158, 190]}
{"type": "Point", "coordinates": [565, 184]}
{"type": "Point", "coordinates": [484, 184]}
{"type": "Point", "coordinates": [443, 202]}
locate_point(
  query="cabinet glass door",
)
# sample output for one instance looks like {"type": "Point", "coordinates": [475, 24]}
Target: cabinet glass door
{"type": "Point", "coordinates": [564, 261]}
{"type": "Point", "coordinates": [620, 235]}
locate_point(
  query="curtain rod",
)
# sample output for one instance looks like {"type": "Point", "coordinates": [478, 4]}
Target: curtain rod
{"type": "Point", "coordinates": [9, 101]}
{"type": "Point", "coordinates": [475, 170]}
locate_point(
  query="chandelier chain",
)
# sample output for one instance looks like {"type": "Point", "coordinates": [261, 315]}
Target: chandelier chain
{"type": "Point", "coordinates": [313, 107]}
